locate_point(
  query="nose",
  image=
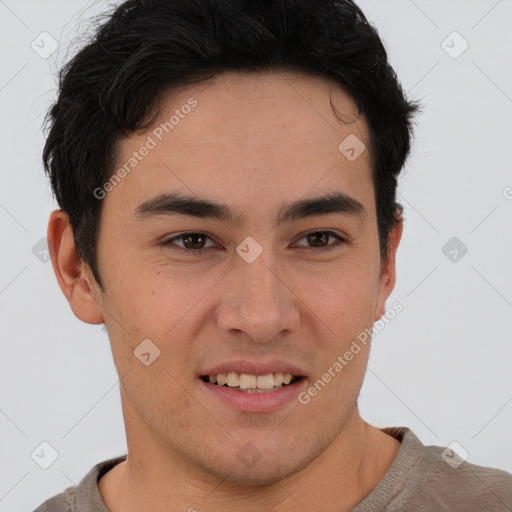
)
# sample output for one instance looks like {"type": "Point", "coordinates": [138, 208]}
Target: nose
{"type": "Point", "coordinates": [258, 300]}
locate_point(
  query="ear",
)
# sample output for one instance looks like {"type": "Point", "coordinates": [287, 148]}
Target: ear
{"type": "Point", "coordinates": [73, 275]}
{"type": "Point", "coordinates": [388, 271]}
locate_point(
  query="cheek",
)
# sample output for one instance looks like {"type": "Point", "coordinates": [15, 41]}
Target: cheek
{"type": "Point", "coordinates": [343, 297]}
{"type": "Point", "coordinates": [140, 291]}
{"type": "Point", "coordinates": [156, 299]}
{"type": "Point", "coordinates": [164, 305]}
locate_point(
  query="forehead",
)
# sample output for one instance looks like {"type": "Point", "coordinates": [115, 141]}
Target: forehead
{"type": "Point", "coordinates": [291, 103]}
{"type": "Point", "coordinates": [239, 133]}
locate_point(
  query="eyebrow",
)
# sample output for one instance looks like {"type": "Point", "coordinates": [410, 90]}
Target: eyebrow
{"type": "Point", "coordinates": [174, 203]}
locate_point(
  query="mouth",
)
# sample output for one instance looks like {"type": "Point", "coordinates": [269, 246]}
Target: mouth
{"type": "Point", "coordinates": [252, 383]}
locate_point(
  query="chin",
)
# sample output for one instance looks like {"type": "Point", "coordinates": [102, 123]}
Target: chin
{"type": "Point", "coordinates": [260, 475]}
{"type": "Point", "coordinates": [250, 467]}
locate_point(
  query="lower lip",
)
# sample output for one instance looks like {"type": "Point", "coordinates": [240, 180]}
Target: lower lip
{"type": "Point", "coordinates": [255, 402]}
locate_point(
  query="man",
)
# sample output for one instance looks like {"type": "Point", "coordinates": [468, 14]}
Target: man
{"type": "Point", "coordinates": [226, 172]}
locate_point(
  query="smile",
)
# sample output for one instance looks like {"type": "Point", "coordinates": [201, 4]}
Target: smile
{"type": "Point", "coordinates": [250, 383]}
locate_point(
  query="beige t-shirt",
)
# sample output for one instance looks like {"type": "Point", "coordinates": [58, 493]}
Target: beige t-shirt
{"type": "Point", "coordinates": [420, 479]}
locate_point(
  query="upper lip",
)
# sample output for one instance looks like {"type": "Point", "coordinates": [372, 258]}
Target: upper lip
{"type": "Point", "coordinates": [254, 368]}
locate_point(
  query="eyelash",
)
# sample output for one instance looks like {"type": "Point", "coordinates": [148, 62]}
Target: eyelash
{"type": "Point", "coordinates": [329, 248]}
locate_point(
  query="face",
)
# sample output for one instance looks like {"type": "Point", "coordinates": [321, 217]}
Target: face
{"type": "Point", "coordinates": [266, 290]}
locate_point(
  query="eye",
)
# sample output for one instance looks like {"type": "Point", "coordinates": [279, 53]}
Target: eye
{"type": "Point", "coordinates": [320, 238]}
{"type": "Point", "coordinates": [192, 242]}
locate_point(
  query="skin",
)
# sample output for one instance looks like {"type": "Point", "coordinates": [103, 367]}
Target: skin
{"type": "Point", "coordinates": [254, 141]}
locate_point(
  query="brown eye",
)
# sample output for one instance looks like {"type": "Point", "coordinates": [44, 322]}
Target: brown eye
{"type": "Point", "coordinates": [192, 241]}
{"type": "Point", "coordinates": [319, 240]}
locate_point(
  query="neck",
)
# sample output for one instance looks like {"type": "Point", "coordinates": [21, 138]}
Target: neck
{"type": "Point", "coordinates": [337, 480]}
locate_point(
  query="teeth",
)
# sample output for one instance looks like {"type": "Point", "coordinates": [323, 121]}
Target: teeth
{"type": "Point", "coordinates": [232, 379]}
{"type": "Point", "coordinates": [248, 381]}
{"type": "Point", "coordinates": [263, 381]}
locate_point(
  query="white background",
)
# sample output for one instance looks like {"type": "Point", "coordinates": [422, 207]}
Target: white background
{"type": "Point", "coordinates": [441, 367]}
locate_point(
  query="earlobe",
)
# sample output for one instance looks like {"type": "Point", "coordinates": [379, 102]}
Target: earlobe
{"type": "Point", "coordinates": [76, 283]}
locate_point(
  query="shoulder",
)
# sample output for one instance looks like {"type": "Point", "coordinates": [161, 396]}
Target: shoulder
{"type": "Point", "coordinates": [455, 482]}
{"type": "Point", "coordinates": [441, 479]}
{"type": "Point", "coordinates": [59, 503]}
{"type": "Point", "coordinates": [85, 497]}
